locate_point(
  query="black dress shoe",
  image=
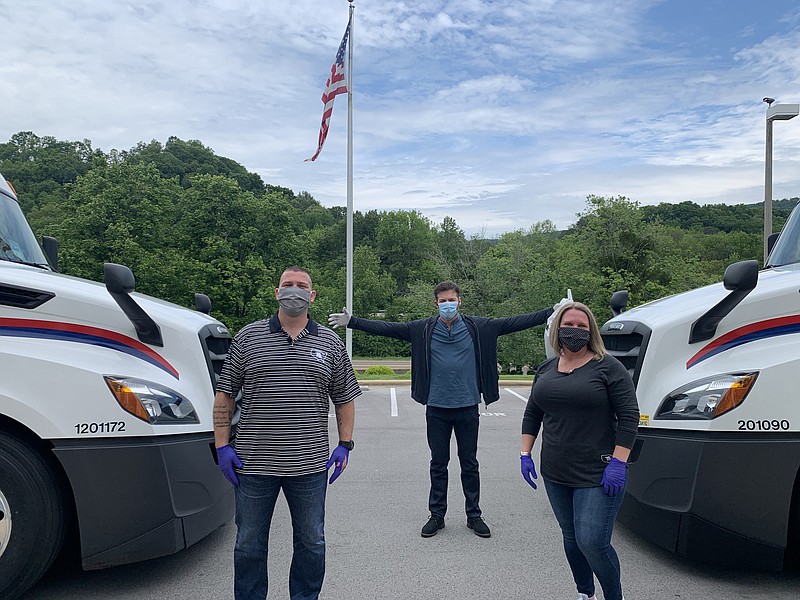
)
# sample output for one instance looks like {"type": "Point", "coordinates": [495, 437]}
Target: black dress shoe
{"type": "Point", "coordinates": [432, 527]}
{"type": "Point", "coordinates": [479, 526]}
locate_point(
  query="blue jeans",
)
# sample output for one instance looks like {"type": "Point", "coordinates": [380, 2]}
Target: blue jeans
{"type": "Point", "coordinates": [255, 502]}
{"type": "Point", "coordinates": [586, 517]}
{"type": "Point", "coordinates": [441, 424]}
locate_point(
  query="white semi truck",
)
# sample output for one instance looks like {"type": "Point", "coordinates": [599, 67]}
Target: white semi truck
{"type": "Point", "coordinates": [715, 473]}
{"type": "Point", "coordinates": [106, 432]}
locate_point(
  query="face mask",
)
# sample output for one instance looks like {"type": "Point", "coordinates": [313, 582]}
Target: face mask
{"type": "Point", "coordinates": [448, 310]}
{"type": "Point", "coordinates": [573, 338]}
{"type": "Point", "coordinates": [294, 300]}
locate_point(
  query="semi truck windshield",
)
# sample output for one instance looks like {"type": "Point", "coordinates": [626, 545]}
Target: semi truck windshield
{"type": "Point", "coordinates": [17, 242]}
{"type": "Point", "coordinates": [787, 248]}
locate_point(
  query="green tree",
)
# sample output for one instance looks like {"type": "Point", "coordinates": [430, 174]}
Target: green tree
{"type": "Point", "coordinates": [39, 167]}
{"type": "Point", "coordinates": [115, 213]}
{"type": "Point", "coordinates": [246, 240]}
{"type": "Point", "coordinates": [405, 242]}
{"type": "Point", "coordinates": [517, 276]}
{"type": "Point", "coordinates": [611, 248]}
{"type": "Point", "coordinates": [456, 255]}
{"type": "Point", "coordinates": [183, 159]}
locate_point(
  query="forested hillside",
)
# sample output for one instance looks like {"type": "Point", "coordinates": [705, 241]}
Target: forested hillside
{"type": "Point", "coordinates": [186, 220]}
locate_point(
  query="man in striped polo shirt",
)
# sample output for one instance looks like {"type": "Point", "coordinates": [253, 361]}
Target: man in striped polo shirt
{"type": "Point", "coordinates": [288, 368]}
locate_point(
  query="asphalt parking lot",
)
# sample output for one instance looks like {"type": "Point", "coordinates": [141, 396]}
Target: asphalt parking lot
{"type": "Point", "coordinates": [374, 515]}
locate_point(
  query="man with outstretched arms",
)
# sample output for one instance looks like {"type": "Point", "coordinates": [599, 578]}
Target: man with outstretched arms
{"type": "Point", "coordinates": [453, 363]}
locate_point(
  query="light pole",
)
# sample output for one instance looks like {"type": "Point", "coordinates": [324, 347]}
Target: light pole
{"type": "Point", "coordinates": [778, 112]}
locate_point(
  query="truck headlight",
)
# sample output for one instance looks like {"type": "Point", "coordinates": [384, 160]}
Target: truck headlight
{"type": "Point", "coordinates": [707, 398]}
{"type": "Point", "coordinates": [151, 402]}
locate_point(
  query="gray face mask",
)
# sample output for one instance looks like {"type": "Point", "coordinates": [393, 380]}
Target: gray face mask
{"type": "Point", "coordinates": [294, 300]}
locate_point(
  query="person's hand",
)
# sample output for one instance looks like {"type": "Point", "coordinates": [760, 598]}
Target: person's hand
{"type": "Point", "coordinates": [613, 480]}
{"type": "Point", "coordinates": [528, 470]}
{"type": "Point", "coordinates": [548, 349]}
{"type": "Point", "coordinates": [228, 462]}
{"type": "Point", "coordinates": [339, 458]}
{"type": "Point", "coordinates": [557, 306]}
{"type": "Point", "coordinates": [339, 319]}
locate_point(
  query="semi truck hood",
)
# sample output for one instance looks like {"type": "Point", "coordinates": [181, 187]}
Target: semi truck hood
{"type": "Point", "coordinates": [758, 335]}
{"type": "Point", "coordinates": [89, 303]}
{"type": "Point", "coordinates": [685, 308]}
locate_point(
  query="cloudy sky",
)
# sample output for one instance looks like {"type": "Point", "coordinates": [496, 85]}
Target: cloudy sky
{"type": "Point", "coordinates": [498, 113]}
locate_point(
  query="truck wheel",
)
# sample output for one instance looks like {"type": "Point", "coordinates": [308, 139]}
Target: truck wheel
{"type": "Point", "coordinates": [32, 516]}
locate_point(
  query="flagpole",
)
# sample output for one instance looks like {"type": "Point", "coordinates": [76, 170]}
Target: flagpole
{"type": "Point", "coordinates": [349, 267]}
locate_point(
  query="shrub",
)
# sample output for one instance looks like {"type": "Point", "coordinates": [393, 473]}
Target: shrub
{"type": "Point", "coordinates": [378, 370]}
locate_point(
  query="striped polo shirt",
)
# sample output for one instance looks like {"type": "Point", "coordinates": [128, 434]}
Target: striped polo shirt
{"type": "Point", "coordinates": [286, 388]}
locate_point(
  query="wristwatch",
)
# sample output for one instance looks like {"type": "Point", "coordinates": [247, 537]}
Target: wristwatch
{"type": "Point", "coordinates": [349, 445]}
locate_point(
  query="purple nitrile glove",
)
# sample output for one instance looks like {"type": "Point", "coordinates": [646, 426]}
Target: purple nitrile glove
{"type": "Point", "coordinates": [338, 457]}
{"type": "Point", "coordinates": [228, 462]}
{"type": "Point", "coordinates": [614, 477]}
{"type": "Point", "coordinates": [528, 470]}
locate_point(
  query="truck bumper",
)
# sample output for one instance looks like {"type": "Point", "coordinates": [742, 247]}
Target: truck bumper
{"type": "Point", "coordinates": [720, 498]}
{"type": "Point", "coordinates": [141, 498]}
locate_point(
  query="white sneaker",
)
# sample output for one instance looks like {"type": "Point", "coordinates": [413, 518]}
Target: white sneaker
{"type": "Point", "coordinates": [585, 597]}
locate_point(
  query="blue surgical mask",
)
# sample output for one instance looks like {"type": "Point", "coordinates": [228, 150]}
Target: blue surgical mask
{"type": "Point", "coordinates": [448, 310]}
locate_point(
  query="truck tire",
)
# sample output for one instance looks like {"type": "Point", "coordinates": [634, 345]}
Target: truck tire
{"type": "Point", "coordinates": [32, 519]}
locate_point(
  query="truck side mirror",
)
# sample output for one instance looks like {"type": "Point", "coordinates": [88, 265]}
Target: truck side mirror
{"type": "Point", "coordinates": [773, 237]}
{"type": "Point", "coordinates": [202, 303]}
{"type": "Point", "coordinates": [619, 302]}
{"type": "Point", "coordinates": [50, 247]}
{"type": "Point", "coordinates": [741, 278]}
{"type": "Point", "coordinates": [120, 282]}
{"type": "Point", "coordinates": [119, 279]}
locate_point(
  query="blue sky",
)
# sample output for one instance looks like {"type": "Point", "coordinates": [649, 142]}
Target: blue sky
{"type": "Point", "coordinates": [499, 114]}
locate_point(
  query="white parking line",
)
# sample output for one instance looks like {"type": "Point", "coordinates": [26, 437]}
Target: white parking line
{"type": "Point", "coordinates": [523, 398]}
{"type": "Point", "coordinates": [394, 402]}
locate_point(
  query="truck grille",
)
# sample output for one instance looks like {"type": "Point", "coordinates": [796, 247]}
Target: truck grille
{"type": "Point", "coordinates": [215, 339]}
{"type": "Point", "coordinates": [627, 342]}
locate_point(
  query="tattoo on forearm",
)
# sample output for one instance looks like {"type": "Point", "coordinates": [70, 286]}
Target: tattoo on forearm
{"type": "Point", "coordinates": [222, 416]}
{"type": "Point", "coordinates": [338, 418]}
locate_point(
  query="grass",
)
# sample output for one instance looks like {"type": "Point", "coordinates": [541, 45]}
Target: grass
{"type": "Point", "coordinates": [401, 377]}
{"type": "Point", "coordinates": [407, 377]}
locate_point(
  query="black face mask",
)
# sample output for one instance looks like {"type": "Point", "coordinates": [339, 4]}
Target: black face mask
{"type": "Point", "coordinates": [573, 338]}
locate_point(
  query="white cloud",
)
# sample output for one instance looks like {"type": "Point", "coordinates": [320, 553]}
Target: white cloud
{"type": "Point", "coordinates": [498, 114]}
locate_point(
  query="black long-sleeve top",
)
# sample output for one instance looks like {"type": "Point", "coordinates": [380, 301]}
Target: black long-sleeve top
{"type": "Point", "coordinates": [484, 332]}
{"type": "Point", "coordinates": [583, 414]}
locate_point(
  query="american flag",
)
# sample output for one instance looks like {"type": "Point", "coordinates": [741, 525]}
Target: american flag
{"type": "Point", "coordinates": [336, 84]}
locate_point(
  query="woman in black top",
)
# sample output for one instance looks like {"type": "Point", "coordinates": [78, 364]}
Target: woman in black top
{"type": "Point", "coordinates": [586, 402]}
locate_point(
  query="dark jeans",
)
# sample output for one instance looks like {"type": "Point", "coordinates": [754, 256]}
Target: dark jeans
{"type": "Point", "coordinates": [442, 422]}
{"type": "Point", "coordinates": [255, 502]}
{"type": "Point", "coordinates": [586, 517]}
